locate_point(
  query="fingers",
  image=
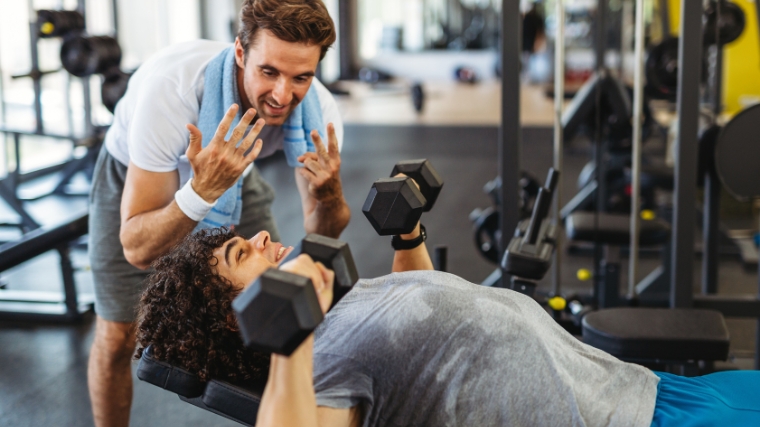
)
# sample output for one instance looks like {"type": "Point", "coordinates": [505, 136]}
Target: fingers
{"type": "Point", "coordinates": [241, 128]}
{"type": "Point", "coordinates": [311, 165]}
{"type": "Point", "coordinates": [332, 141]}
{"type": "Point", "coordinates": [224, 126]}
{"type": "Point", "coordinates": [328, 276]}
{"type": "Point", "coordinates": [319, 145]}
{"type": "Point", "coordinates": [254, 154]}
{"type": "Point", "coordinates": [196, 141]}
{"type": "Point", "coordinates": [251, 137]}
{"type": "Point", "coordinates": [324, 289]}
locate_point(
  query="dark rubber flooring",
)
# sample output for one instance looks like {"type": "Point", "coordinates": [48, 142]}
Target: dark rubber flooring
{"type": "Point", "coordinates": [43, 366]}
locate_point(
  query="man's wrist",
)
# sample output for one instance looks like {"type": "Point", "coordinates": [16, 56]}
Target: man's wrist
{"type": "Point", "coordinates": [191, 203]}
{"type": "Point", "coordinates": [400, 243]}
{"type": "Point", "coordinates": [413, 235]}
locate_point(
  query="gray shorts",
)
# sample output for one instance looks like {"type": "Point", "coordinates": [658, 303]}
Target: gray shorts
{"type": "Point", "coordinates": [118, 284]}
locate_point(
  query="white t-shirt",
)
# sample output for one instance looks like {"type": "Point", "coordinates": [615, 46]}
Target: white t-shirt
{"type": "Point", "coordinates": [164, 95]}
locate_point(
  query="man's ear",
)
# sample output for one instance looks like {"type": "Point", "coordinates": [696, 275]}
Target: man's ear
{"type": "Point", "coordinates": [239, 53]}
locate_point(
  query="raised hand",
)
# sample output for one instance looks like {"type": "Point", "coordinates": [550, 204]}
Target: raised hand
{"type": "Point", "coordinates": [321, 277]}
{"type": "Point", "coordinates": [219, 165]}
{"type": "Point", "coordinates": [322, 168]}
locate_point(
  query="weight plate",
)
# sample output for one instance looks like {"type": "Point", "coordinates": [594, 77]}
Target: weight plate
{"type": "Point", "coordinates": [737, 154]}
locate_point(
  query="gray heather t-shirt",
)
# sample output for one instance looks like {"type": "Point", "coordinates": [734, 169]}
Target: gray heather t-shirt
{"type": "Point", "coordinates": [431, 349]}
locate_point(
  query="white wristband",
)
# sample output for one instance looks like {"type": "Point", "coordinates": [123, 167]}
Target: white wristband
{"type": "Point", "coordinates": [191, 203]}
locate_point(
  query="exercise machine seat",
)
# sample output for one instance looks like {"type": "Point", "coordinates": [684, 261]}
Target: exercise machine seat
{"type": "Point", "coordinates": [239, 403]}
{"type": "Point", "coordinates": [614, 229]}
{"type": "Point", "coordinates": [658, 334]}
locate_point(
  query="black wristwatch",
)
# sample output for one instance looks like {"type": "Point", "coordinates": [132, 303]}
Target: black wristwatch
{"type": "Point", "coordinates": [400, 244]}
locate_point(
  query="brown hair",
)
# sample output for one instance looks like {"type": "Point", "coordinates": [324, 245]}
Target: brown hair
{"type": "Point", "coordinates": [295, 21]}
{"type": "Point", "coordinates": [185, 314]}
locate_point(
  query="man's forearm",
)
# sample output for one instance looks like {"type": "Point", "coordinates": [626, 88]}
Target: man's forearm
{"type": "Point", "coordinates": [412, 259]}
{"type": "Point", "coordinates": [149, 235]}
{"type": "Point", "coordinates": [328, 218]}
{"type": "Point", "coordinates": [289, 398]}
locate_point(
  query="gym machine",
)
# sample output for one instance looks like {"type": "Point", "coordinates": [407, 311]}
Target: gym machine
{"type": "Point", "coordinates": [81, 56]}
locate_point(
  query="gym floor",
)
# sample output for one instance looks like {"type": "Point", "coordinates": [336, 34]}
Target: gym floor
{"type": "Point", "coordinates": [43, 366]}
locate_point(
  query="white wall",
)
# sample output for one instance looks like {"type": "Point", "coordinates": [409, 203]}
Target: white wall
{"type": "Point", "coordinates": [146, 26]}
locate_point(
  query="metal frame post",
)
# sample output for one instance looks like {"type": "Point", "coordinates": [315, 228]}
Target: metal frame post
{"type": "Point", "coordinates": [559, 98]}
{"type": "Point", "coordinates": [712, 184]}
{"type": "Point", "coordinates": [510, 135]}
{"type": "Point", "coordinates": [347, 22]}
{"type": "Point", "coordinates": [689, 68]}
{"type": "Point", "coordinates": [36, 76]}
{"type": "Point", "coordinates": [638, 105]}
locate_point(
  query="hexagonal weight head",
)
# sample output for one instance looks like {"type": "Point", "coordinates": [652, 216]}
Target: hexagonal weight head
{"type": "Point", "coordinates": [423, 173]}
{"type": "Point", "coordinates": [336, 256]}
{"type": "Point", "coordinates": [277, 312]}
{"type": "Point", "coordinates": [393, 206]}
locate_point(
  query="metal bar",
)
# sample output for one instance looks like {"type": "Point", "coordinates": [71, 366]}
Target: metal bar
{"type": "Point", "coordinates": [718, 73]}
{"type": "Point", "coordinates": [9, 196]}
{"type": "Point", "coordinates": [3, 107]}
{"type": "Point", "coordinates": [69, 286]}
{"type": "Point", "coordinates": [665, 17]}
{"type": "Point", "coordinates": [582, 197]}
{"type": "Point", "coordinates": [36, 76]}
{"type": "Point", "coordinates": [638, 106]}
{"type": "Point", "coordinates": [510, 135]}
{"type": "Point", "coordinates": [730, 306]}
{"type": "Point", "coordinates": [441, 258]}
{"type": "Point", "coordinates": [711, 234]}
{"type": "Point", "coordinates": [601, 33]}
{"type": "Point", "coordinates": [115, 17]}
{"type": "Point", "coordinates": [689, 67]}
{"type": "Point", "coordinates": [35, 133]}
{"type": "Point", "coordinates": [203, 18]}
{"type": "Point", "coordinates": [346, 52]}
{"type": "Point", "coordinates": [559, 100]}
{"type": "Point", "coordinates": [40, 241]}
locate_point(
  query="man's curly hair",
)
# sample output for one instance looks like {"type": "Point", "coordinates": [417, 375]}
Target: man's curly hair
{"type": "Point", "coordinates": [185, 314]}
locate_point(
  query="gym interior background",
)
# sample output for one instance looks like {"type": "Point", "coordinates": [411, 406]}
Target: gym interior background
{"type": "Point", "coordinates": [413, 79]}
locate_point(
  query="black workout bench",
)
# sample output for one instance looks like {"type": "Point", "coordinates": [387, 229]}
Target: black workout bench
{"type": "Point", "coordinates": [63, 306]}
{"type": "Point", "coordinates": [235, 402]}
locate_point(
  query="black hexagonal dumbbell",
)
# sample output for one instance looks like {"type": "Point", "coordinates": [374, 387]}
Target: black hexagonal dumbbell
{"type": "Point", "coordinates": [335, 255]}
{"type": "Point", "coordinates": [279, 310]}
{"type": "Point", "coordinates": [394, 205]}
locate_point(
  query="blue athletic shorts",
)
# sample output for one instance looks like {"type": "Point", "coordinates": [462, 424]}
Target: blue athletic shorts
{"type": "Point", "coordinates": [721, 399]}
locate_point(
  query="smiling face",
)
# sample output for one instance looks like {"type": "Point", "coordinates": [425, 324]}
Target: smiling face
{"type": "Point", "coordinates": [241, 261]}
{"type": "Point", "coordinates": [275, 75]}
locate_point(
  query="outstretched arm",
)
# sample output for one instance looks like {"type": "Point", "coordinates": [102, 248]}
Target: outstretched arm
{"type": "Point", "coordinates": [412, 259]}
{"type": "Point", "coordinates": [325, 210]}
{"type": "Point", "coordinates": [289, 398]}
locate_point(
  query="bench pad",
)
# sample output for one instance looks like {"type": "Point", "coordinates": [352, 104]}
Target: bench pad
{"type": "Point", "coordinates": [658, 333]}
{"type": "Point", "coordinates": [235, 402]}
{"type": "Point", "coordinates": [614, 229]}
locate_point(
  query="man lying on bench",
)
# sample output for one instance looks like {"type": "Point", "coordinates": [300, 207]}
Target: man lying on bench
{"type": "Point", "coordinates": [414, 347]}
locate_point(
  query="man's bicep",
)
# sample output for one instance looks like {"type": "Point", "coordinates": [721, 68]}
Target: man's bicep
{"type": "Point", "coordinates": [146, 191]}
{"type": "Point", "coordinates": [332, 417]}
{"type": "Point", "coordinates": [157, 135]}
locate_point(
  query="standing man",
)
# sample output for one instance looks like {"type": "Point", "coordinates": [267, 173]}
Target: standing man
{"type": "Point", "coordinates": [152, 187]}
